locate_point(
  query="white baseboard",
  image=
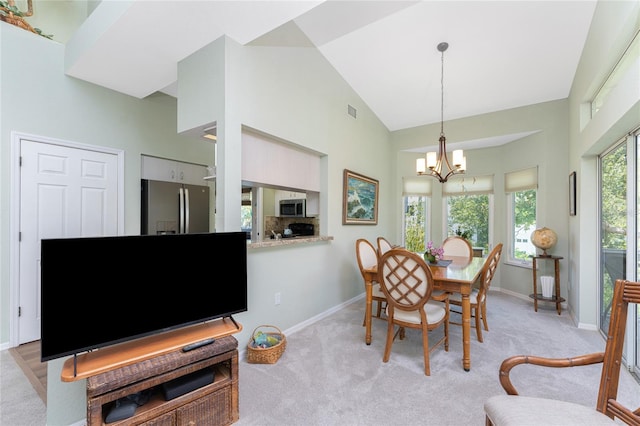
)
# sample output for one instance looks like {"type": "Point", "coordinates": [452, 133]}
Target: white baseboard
{"type": "Point", "coordinates": [291, 330]}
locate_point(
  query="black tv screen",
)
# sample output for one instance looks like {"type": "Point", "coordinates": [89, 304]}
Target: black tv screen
{"type": "Point", "coordinates": [100, 291]}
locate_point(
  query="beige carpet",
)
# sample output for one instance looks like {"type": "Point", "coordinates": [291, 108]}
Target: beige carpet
{"type": "Point", "coordinates": [20, 404]}
{"type": "Point", "coordinates": [328, 376]}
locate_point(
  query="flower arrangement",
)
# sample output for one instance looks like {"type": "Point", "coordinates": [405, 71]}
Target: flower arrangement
{"type": "Point", "coordinates": [433, 254]}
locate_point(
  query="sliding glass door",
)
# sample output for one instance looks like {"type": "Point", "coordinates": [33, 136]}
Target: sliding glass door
{"type": "Point", "coordinates": [619, 239]}
{"type": "Point", "coordinates": [613, 232]}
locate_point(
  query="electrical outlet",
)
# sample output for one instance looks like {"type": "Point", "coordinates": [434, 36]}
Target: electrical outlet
{"type": "Point", "coordinates": [277, 298]}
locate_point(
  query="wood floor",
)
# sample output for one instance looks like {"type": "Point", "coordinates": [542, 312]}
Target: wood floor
{"type": "Point", "coordinates": [27, 356]}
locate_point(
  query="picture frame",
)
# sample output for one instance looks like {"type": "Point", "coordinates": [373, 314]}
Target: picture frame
{"type": "Point", "coordinates": [359, 199]}
{"type": "Point", "coordinates": [572, 194]}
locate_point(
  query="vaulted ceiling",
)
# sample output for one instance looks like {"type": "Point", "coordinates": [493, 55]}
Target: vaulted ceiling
{"type": "Point", "coordinates": [501, 55]}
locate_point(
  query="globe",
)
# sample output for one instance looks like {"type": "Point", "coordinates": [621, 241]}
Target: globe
{"type": "Point", "coordinates": [544, 239]}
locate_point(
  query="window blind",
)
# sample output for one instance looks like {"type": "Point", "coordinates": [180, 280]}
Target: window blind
{"type": "Point", "coordinates": [521, 180]}
{"type": "Point", "coordinates": [416, 186]}
{"type": "Point", "coordinates": [468, 185]}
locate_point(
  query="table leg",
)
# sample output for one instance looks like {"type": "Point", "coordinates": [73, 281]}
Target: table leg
{"type": "Point", "coordinates": [535, 284]}
{"type": "Point", "coordinates": [557, 294]}
{"type": "Point", "coordinates": [466, 332]}
{"type": "Point", "coordinates": [367, 315]}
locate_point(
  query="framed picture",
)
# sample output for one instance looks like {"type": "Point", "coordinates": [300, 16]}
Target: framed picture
{"type": "Point", "coordinates": [572, 194]}
{"type": "Point", "coordinates": [359, 199]}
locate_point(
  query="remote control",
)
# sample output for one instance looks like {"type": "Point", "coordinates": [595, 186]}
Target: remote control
{"type": "Point", "coordinates": [197, 345]}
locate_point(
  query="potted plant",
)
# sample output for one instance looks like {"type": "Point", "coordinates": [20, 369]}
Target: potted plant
{"type": "Point", "coordinates": [466, 234]}
{"type": "Point", "coordinates": [433, 254]}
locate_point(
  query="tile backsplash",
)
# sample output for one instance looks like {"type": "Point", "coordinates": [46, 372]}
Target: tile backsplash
{"type": "Point", "coordinates": [278, 224]}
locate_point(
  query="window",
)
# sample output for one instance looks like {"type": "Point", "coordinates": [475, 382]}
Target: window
{"type": "Point", "coordinates": [468, 209]}
{"type": "Point", "coordinates": [629, 56]}
{"type": "Point", "coordinates": [415, 220]}
{"type": "Point", "coordinates": [521, 188]}
{"type": "Point", "coordinates": [522, 205]}
{"type": "Point", "coordinates": [246, 212]}
{"type": "Point", "coordinates": [615, 212]}
{"type": "Point", "coordinates": [415, 202]}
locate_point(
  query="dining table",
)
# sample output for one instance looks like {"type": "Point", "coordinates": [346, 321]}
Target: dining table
{"type": "Point", "coordinates": [457, 276]}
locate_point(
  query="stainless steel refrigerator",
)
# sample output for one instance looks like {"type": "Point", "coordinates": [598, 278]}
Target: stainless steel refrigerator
{"type": "Point", "coordinates": [174, 208]}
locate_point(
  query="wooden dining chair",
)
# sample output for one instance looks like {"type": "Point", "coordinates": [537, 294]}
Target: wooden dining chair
{"type": "Point", "coordinates": [368, 258]}
{"type": "Point", "coordinates": [407, 283]}
{"type": "Point", "coordinates": [383, 245]}
{"type": "Point", "coordinates": [457, 246]}
{"type": "Point", "coordinates": [512, 409]}
{"type": "Point", "coordinates": [478, 297]}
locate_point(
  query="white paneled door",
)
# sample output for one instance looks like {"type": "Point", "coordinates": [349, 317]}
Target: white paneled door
{"type": "Point", "coordinates": [65, 191]}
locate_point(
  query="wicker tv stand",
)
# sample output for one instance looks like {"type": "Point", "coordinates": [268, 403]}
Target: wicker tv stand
{"type": "Point", "coordinates": [142, 367]}
{"type": "Point", "coordinates": [212, 404]}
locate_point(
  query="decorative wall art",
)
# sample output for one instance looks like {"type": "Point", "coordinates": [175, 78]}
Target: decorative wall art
{"type": "Point", "coordinates": [359, 199]}
{"type": "Point", "coordinates": [572, 194]}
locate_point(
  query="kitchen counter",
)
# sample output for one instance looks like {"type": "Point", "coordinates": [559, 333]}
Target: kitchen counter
{"type": "Point", "coordinates": [288, 241]}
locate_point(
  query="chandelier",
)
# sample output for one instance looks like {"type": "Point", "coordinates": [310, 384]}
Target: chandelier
{"type": "Point", "coordinates": [432, 165]}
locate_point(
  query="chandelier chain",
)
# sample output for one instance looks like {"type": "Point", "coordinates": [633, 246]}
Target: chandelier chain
{"type": "Point", "coordinates": [434, 163]}
{"type": "Point", "coordinates": [442, 93]}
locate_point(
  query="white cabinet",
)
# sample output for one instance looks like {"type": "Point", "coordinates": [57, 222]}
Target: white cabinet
{"type": "Point", "coordinates": [288, 195]}
{"type": "Point", "coordinates": [155, 168]}
{"type": "Point", "coordinates": [313, 203]}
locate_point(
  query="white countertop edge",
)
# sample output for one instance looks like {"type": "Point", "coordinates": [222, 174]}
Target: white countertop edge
{"type": "Point", "coordinates": [288, 241]}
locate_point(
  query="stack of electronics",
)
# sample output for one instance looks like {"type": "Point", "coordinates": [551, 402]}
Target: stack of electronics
{"type": "Point", "coordinates": [125, 407]}
{"type": "Point", "coordinates": [187, 383]}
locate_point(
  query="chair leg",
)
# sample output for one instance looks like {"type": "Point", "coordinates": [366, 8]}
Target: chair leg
{"type": "Point", "coordinates": [425, 350]}
{"type": "Point", "coordinates": [478, 329]}
{"type": "Point", "coordinates": [387, 346]}
{"type": "Point", "coordinates": [484, 315]}
{"type": "Point", "coordinates": [446, 333]}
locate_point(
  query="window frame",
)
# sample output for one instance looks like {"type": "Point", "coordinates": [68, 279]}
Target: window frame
{"type": "Point", "coordinates": [510, 258]}
{"type": "Point", "coordinates": [490, 218]}
{"type": "Point", "coordinates": [427, 217]}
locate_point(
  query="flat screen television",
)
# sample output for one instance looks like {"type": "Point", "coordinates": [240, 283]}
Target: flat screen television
{"type": "Point", "coordinates": [99, 291]}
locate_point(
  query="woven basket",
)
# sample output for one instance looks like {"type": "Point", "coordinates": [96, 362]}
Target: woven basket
{"type": "Point", "coordinates": [270, 355]}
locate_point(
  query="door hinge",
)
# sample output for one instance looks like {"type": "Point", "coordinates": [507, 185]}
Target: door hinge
{"type": "Point", "coordinates": [19, 311]}
{"type": "Point", "coordinates": [20, 161]}
{"type": "Point", "coordinates": [20, 236]}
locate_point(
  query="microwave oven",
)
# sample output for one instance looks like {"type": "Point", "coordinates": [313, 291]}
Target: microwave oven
{"type": "Point", "coordinates": [293, 208]}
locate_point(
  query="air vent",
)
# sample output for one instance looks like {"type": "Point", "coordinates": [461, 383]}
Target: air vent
{"type": "Point", "coordinates": [352, 111]}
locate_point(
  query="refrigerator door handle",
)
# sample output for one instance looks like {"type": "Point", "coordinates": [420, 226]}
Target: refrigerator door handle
{"type": "Point", "coordinates": [181, 211]}
{"type": "Point", "coordinates": [186, 210]}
